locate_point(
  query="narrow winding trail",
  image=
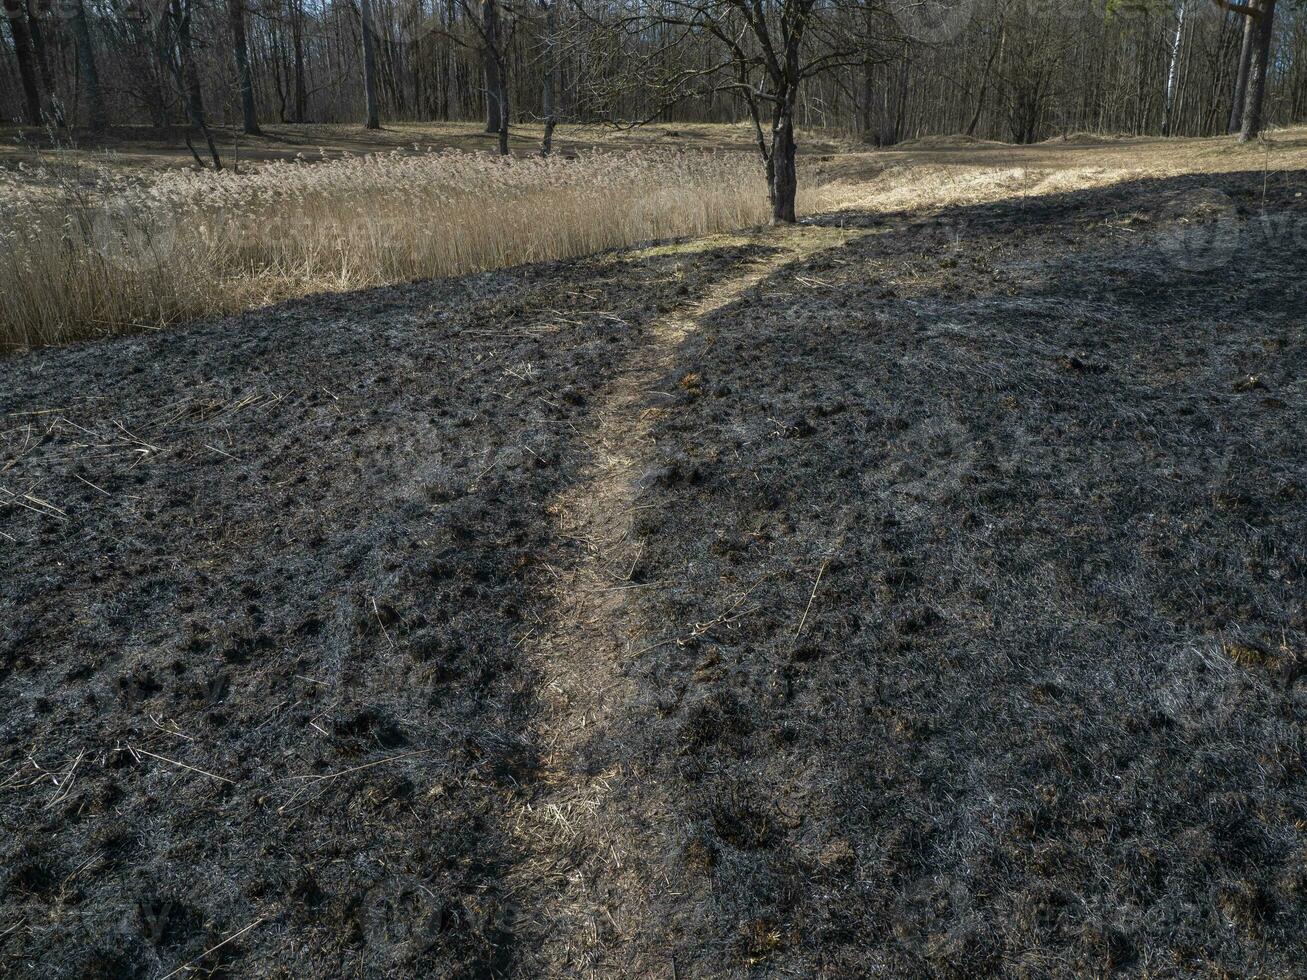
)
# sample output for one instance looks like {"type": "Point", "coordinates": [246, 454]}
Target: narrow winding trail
{"type": "Point", "coordinates": [583, 889]}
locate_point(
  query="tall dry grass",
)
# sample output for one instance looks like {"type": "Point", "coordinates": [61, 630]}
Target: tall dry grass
{"type": "Point", "coordinates": [90, 251]}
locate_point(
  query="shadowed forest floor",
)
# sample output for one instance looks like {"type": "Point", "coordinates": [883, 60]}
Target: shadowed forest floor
{"type": "Point", "coordinates": [913, 591]}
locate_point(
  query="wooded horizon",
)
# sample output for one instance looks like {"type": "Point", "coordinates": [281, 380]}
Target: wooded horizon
{"type": "Point", "coordinates": [992, 69]}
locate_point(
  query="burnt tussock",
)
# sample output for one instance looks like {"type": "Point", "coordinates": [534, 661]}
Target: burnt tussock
{"type": "Point", "coordinates": [961, 626]}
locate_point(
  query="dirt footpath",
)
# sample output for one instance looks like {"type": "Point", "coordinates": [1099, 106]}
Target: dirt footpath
{"type": "Point", "coordinates": [915, 593]}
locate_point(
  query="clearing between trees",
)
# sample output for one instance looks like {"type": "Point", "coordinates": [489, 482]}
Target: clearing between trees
{"type": "Point", "coordinates": [918, 590]}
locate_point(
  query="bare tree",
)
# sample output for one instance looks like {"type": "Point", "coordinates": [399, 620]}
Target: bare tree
{"type": "Point", "coordinates": [1258, 65]}
{"type": "Point", "coordinates": [494, 39]}
{"type": "Point", "coordinates": [495, 110]}
{"type": "Point", "coordinates": [1241, 75]}
{"type": "Point", "coordinates": [241, 55]}
{"type": "Point", "coordinates": [549, 88]}
{"type": "Point", "coordinates": [188, 78]}
{"type": "Point", "coordinates": [767, 49]}
{"type": "Point", "coordinates": [54, 107]}
{"type": "Point", "coordinates": [1174, 61]}
{"type": "Point", "coordinates": [373, 120]}
{"type": "Point", "coordinates": [16, 11]}
{"type": "Point", "coordinates": [97, 114]}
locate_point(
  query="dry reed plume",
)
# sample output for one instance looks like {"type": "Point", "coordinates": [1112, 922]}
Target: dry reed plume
{"type": "Point", "coordinates": [87, 252]}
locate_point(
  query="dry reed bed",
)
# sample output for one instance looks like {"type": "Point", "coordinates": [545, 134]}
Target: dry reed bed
{"type": "Point", "coordinates": [87, 251]}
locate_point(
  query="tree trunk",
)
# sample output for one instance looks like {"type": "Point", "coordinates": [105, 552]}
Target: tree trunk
{"type": "Point", "coordinates": [26, 61]}
{"type": "Point", "coordinates": [1251, 125]}
{"type": "Point", "coordinates": [495, 110]}
{"type": "Point", "coordinates": [1241, 79]}
{"type": "Point", "coordinates": [97, 116]}
{"type": "Point", "coordinates": [984, 84]}
{"type": "Point", "coordinates": [301, 101]}
{"type": "Point", "coordinates": [55, 109]}
{"type": "Point", "coordinates": [369, 67]}
{"type": "Point", "coordinates": [1168, 106]}
{"type": "Point", "coordinates": [503, 116]}
{"type": "Point", "coordinates": [868, 93]}
{"type": "Point", "coordinates": [550, 89]}
{"type": "Point", "coordinates": [784, 178]}
{"type": "Point", "coordinates": [241, 53]}
{"type": "Point", "coordinates": [869, 12]}
{"type": "Point", "coordinates": [190, 80]}
{"type": "Point", "coordinates": [447, 88]}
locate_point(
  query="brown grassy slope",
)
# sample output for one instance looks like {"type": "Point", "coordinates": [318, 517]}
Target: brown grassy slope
{"type": "Point", "coordinates": [951, 170]}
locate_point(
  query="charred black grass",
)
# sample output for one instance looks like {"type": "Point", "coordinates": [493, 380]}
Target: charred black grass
{"type": "Point", "coordinates": [301, 551]}
{"type": "Point", "coordinates": [1045, 716]}
{"type": "Point", "coordinates": [971, 602]}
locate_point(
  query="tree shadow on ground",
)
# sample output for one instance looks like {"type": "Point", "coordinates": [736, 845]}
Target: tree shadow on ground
{"type": "Point", "coordinates": [266, 583]}
{"type": "Point", "coordinates": [978, 545]}
{"type": "Point", "coordinates": [984, 629]}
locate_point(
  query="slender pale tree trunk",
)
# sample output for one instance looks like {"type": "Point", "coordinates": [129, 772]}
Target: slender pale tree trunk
{"type": "Point", "coordinates": [549, 91]}
{"type": "Point", "coordinates": [241, 53]}
{"type": "Point", "coordinates": [1251, 124]}
{"type": "Point", "coordinates": [1241, 77]}
{"type": "Point", "coordinates": [1169, 105]}
{"type": "Point", "coordinates": [369, 67]}
{"type": "Point", "coordinates": [495, 109]}
{"type": "Point", "coordinates": [97, 116]}
{"type": "Point", "coordinates": [17, 14]}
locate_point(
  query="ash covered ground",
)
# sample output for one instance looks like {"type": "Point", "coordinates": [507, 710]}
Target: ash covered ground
{"type": "Point", "coordinates": [965, 625]}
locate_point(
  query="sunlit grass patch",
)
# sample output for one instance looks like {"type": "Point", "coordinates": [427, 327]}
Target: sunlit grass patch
{"type": "Point", "coordinates": [90, 251]}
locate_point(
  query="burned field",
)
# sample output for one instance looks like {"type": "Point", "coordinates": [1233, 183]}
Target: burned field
{"type": "Point", "coordinates": [937, 595]}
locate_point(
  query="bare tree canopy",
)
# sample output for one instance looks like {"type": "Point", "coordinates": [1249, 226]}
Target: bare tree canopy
{"type": "Point", "coordinates": [889, 70]}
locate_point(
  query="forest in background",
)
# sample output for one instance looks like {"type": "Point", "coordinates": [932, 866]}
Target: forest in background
{"type": "Point", "coordinates": [888, 70]}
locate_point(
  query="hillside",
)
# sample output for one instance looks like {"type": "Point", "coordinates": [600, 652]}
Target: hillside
{"type": "Point", "coordinates": [918, 591]}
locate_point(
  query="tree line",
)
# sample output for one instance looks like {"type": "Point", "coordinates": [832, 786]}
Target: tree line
{"type": "Point", "coordinates": [889, 70]}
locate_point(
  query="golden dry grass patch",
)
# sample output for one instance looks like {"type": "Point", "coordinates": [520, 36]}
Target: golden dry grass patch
{"type": "Point", "coordinates": [93, 244]}
{"type": "Point", "coordinates": [128, 250]}
{"type": "Point", "coordinates": [944, 171]}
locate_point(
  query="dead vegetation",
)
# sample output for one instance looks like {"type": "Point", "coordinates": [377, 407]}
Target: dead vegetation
{"type": "Point", "coordinates": [926, 598]}
{"type": "Point", "coordinates": [1017, 688]}
{"type": "Point", "coordinates": [136, 242]}
{"type": "Point", "coordinates": [132, 250]}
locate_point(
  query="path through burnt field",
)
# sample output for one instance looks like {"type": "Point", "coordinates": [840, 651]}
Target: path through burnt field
{"type": "Point", "coordinates": [918, 593]}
